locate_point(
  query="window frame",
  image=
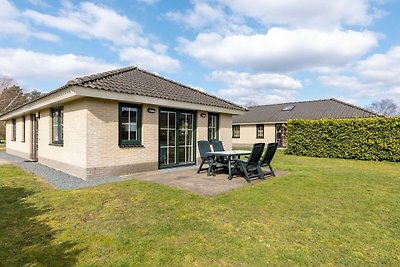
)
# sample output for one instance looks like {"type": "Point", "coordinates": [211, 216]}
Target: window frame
{"type": "Point", "coordinates": [233, 131]}
{"type": "Point", "coordinates": [13, 129]}
{"type": "Point", "coordinates": [60, 126]}
{"type": "Point", "coordinates": [257, 131]}
{"type": "Point", "coordinates": [129, 143]}
{"type": "Point", "coordinates": [209, 128]}
{"type": "Point", "coordinates": [23, 129]}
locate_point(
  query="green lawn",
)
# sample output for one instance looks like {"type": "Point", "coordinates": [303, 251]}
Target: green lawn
{"type": "Point", "coordinates": [2, 147]}
{"type": "Point", "coordinates": [324, 212]}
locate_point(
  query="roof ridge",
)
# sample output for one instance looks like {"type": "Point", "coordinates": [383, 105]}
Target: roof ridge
{"type": "Point", "coordinates": [98, 76]}
{"type": "Point", "coordinates": [293, 102]}
{"type": "Point", "coordinates": [191, 88]}
{"type": "Point", "coordinates": [357, 107]}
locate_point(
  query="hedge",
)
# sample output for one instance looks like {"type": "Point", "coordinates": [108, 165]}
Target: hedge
{"type": "Point", "coordinates": [365, 139]}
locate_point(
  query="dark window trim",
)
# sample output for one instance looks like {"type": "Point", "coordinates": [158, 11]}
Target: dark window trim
{"type": "Point", "coordinates": [60, 128]}
{"type": "Point", "coordinates": [23, 129]}
{"type": "Point", "coordinates": [177, 111]}
{"type": "Point", "coordinates": [13, 130]}
{"type": "Point", "coordinates": [260, 136]}
{"type": "Point", "coordinates": [130, 143]}
{"type": "Point", "coordinates": [233, 132]}
{"type": "Point", "coordinates": [217, 126]}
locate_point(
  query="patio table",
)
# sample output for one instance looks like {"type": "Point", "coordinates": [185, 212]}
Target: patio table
{"type": "Point", "coordinates": [229, 154]}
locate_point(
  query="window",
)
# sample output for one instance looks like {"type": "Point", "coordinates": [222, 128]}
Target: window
{"type": "Point", "coordinates": [236, 131]}
{"type": "Point", "coordinates": [213, 126]}
{"type": "Point", "coordinates": [13, 130]}
{"type": "Point", "coordinates": [260, 130]}
{"type": "Point", "coordinates": [130, 125]}
{"type": "Point", "coordinates": [23, 129]}
{"type": "Point", "coordinates": [288, 108]}
{"type": "Point", "coordinates": [57, 126]}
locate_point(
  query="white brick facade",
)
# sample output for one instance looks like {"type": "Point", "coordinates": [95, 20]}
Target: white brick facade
{"type": "Point", "coordinates": [90, 148]}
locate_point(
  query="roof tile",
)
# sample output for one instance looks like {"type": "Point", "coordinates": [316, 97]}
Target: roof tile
{"type": "Point", "coordinates": [132, 80]}
{"type": "Point", "coordinates": [315, 109]}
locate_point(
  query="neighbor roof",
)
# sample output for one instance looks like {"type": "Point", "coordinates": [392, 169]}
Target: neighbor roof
{"type": "Point", "coordinates": [316, 109]}
{"type": "Point", "coordinates": [135, 81]}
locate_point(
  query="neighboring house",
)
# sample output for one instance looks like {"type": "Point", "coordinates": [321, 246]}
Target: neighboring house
{"type": "Point", "coordinates": [118, 122]}
{"type": "Point", "coordinates": [267, 123]}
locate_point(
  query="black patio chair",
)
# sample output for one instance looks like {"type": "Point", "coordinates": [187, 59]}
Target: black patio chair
{"type": "Point", "coordinates": [218, 146]}
{"type": "Point", "coordinates": [268, 156]}
{"type": "Point", "coordinates": [251, 168]}
{"type": "Point", "coordinates": [204, 148]}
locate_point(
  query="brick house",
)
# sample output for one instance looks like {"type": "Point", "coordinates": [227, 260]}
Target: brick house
{"type": "Point", "coordinates": [118, 122]}
{"type": "Point", "coordinates": [267, 123]}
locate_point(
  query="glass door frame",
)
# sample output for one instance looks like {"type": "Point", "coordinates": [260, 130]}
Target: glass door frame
{"type": "Point", "coordinates": [177, 164]}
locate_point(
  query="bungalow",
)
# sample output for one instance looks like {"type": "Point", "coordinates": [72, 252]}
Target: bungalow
{"type": "Point", "coordinates": [267, 123]}
{"type": "Point", "coordinates": [118, 122]}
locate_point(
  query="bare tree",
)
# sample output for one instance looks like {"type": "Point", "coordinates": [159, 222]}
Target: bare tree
{"type": "Point", "coordinates": [6, 82]}
{"type": "Point", "coordinates": [12, 96]}
{"type": "Point", "coordinates": [384, 107]}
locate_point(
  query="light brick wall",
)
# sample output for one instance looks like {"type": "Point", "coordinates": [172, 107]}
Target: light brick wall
{"type": "Point", "coordinates": [248, 135]}
{"type": "Point", "coordinates": [91, 148]}
{"type": "Point", "coordinates": [225, 130]}
{"type": "Point", "coordinates": [105, 157]}
{"type": "Point", "coordinates": [19, 147]}
{"type": "Point", "coordinates": [71, 157]}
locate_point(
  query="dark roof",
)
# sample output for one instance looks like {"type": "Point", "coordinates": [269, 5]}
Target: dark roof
{"type": "Point", "coordinates": [132, 80]}
{"type": "Point", "coordinates": [315, 109]}
{"type": "Point", "coordinates": [135, 81]}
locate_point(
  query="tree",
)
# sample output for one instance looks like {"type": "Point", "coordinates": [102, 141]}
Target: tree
{"type": "Point", "coordinates": [6, 82]}
{"type": "Point", "coordinates": [384, 107]}
{"type": "Point", "coordinates": [12, 96]}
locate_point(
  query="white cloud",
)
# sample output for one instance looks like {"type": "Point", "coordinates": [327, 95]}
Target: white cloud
{"type": "Point", "coordinates": [12, 24]}
{"type": "Point", "coordinates": [376, 77]}
{"type": "Point", "coordinates": [345, 82]}
{"type": "Point", "coordinates": [40, 3]}
{"type": "Point", "coordinates": [91, 21]}
{"type": "Point", "coordinates": [149, 60]}
{"type": "Point", "coordinates": [306, 13]}
{"type": "Point", "coordinates": [280, 50]}
{"type": "Point", "coordinates": [205, 15]}
{"type": "Point", "coordinates": [25, 65]}
{"type": "Point", "coordinates": [149, 2]}
{"type": "Point", "coordinates": [378, 71]}
{"type": "Point", "coordinates": [383, 68]}
{"type": "Point", "coordinates": [245, 88]}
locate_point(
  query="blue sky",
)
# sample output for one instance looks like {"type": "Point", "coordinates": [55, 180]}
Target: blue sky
{"type": "Point", "coordinates": [247, 51]}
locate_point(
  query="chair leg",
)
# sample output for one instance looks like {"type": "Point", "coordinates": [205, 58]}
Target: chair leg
{"type": "Point", "coordinates": [260, 173]}
{"type": "Point", "coordinates": [272, 170]}
{"type": "Point", "coordinates": [201, 165]}
{"type": "Point", "coordinates": [235, 166]}
{"type": "Point", "coordinates": [246, 174]}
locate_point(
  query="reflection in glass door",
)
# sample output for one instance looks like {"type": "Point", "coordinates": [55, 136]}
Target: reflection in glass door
{"type": "Point", "coordinates": [176, 138]}
{"type": "Point", "coordinates": [167, 138]}
{"type": "Point", "coordinates": [185, 138]}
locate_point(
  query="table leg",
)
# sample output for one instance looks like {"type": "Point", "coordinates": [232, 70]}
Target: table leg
{"type": "Point", "coordinates": [229, 168]}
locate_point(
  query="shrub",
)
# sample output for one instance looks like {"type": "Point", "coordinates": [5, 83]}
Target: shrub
{"type": "Point", "coordinates": [360, 138]}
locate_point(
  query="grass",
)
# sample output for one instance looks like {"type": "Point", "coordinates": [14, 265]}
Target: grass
{"type": "Point", "coordinates": [324, 212]}
{"type": "Point", "coordinates": [2, 147]}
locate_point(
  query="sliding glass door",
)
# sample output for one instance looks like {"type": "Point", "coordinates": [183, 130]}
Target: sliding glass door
{"type": "Point", "coordinates": [177, 138]}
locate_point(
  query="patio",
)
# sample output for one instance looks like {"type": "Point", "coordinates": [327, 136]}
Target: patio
{"type": "Point", "coordinates": [186, 178]}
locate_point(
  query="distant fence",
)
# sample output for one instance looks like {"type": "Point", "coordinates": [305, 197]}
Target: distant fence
{"type": "Point", "coordinates": [360, 138]}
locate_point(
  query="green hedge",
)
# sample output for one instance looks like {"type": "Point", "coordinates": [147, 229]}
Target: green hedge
{"type": "Point", "coordinates": [366, 139]}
